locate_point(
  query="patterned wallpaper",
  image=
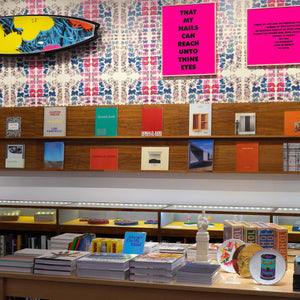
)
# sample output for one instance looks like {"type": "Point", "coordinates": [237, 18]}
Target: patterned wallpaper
{"type": "Point", "coordinates": [124, 65]}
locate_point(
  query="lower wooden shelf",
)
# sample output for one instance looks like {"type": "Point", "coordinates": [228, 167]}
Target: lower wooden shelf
{"type": "Point", "coordinates": [229, 286]}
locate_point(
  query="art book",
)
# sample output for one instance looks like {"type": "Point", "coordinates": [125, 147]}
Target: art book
{"type": "Point", "coordinates": [54, 121]}
{"type": "Point", "coordinates": [134, 242]}
{"type": "Point", "coordinates": [200, 119]}
{"type": "Point", "coordinates": [155, 158]}
{"type": "Point", "coordinates": [291, 157]}
{"type": "Point", "coordinates": [13, 126]}
{"type": "Point", "coordinates": [247, 156]}
{"type": "Point", "coordinates": [15, 156]}
{"type": "Point", "coordinates": [104, 159]}
{"type": "Point", "coordinates": [54, 155]}
{"type": "Point", "coordinates": [201, 155]}
{"type": "Point", "coordinates": [292, 123]}
{"type": "Point", "coordinates": [152, 121]}
{"type": "Point", "coordinates": [245, 123]}
{"type": "Point", "coordinates": [106, 121]}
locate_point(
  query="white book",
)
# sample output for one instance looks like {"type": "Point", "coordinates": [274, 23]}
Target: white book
{"type": "Point", "coordinates": [200, 119]}
{"type": "Point", "coordinates": [54, 121]}
{"type": "Point", "coordinates": [15, 156]}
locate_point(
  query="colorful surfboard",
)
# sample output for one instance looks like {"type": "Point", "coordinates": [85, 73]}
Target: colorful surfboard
{"type": "Point", "coordinates": [40, 34]}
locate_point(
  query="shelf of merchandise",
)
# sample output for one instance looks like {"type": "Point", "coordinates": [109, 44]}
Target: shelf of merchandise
{"type": "Point", "coordinates": [229, 286]}
{"type": "Point", "coordinates": [80, 136]}
{"type": "Point", "coordinates": [170, 218]}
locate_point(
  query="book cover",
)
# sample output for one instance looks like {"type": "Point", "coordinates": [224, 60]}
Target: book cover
{"type": "Point", "coordinates": [134, 242]}
{"type": "Point", "coordinates": [54, 121]}
{"type": "Point", "coordinates": [200, 119]}
{"type": "Point", "coordinates": [245, 123]}
{"type": "Point", "coordinates": [15, 156]}
{"type": "Point", "coordinates": [155, 158]}
{"type": "Point", "coordinates": [105, 261]}
{"type": "Point", "coordinates": [13, 126]}
{"type": "Point", "coordinates": [292, 123]}
{"type": "Point", "coordinates": [54, 155]}
{"type": "Point", "coordinates": [157, 261]}
{"type": "Point", "coordinates": [201, 155]}
{"type": "Point", "coordinates": [247, 156]}
{"type": "Point", "coordinates": [152, 121]}
{"type": "Point", "coordinates": [291, 157]}
{"type": "Point", "coordinates": [104, 159]}
{"type": "Point", "coordinates": [106, 121]}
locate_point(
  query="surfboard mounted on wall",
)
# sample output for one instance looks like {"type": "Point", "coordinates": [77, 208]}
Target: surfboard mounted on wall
{"type": "Point", "coordinates": [41, 34]}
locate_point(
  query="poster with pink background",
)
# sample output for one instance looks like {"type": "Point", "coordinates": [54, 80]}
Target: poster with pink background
{"type": "Point", "coordinates": [189, 40]}
{"type": "Point", "coordinates": [273, 36]}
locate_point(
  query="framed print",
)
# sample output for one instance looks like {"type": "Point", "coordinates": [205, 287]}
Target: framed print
{"type": "Point", "coordinates": [189, 40]}
{"type": "Point", "coordinates": [273, 36]}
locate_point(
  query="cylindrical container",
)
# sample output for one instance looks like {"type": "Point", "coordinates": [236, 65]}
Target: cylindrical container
{"type": "Point", "coordinates": [268, 264]}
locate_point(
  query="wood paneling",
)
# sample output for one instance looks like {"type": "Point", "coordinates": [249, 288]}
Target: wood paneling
{"type": "Point", "coordinates": [81, 138]}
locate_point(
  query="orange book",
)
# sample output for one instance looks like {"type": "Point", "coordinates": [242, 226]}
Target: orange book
{"type": "Point", "coordinates": [292, 123]}
{"type": "Point", "coordinates": [104, 159]}
{"type": "Point", "coordinates": [247, 156]}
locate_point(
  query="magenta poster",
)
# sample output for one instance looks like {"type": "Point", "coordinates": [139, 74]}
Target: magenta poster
{"type": "Point", "coordinates": [273, 36]}
{"type": "Point", "coordinates": [189, 39]}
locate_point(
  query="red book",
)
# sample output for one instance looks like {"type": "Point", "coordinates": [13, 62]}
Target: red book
{"type": "Point", "coordinates": [247, 156]}
{"type": "Point", "coordinates": [152, 121]}
{"type": "Point", "coordinates": [104, 159]}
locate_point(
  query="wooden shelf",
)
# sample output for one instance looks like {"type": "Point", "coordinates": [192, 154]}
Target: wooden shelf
{"type": "Point", "coordinates": [229, 286]}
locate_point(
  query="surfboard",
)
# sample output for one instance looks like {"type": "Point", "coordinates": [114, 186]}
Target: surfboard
{"type": "Point", "coordinates": [41, 34]}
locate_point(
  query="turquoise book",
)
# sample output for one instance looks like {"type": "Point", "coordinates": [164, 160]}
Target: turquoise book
{"type": "Point", "coordinates": [134, 242]}
{"type": "Point", "coordinates": [106, 121]}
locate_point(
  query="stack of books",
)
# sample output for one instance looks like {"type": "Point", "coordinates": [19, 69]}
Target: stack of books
{"type": "Point", "coordinates": [58, 262]}
{"type": "Point", "coordinates": [212, 251]}
{"type": "Point", "coordinates": [172, 248]}
{"type": "Point", "coordinates": [155, 267]}
{"type": "Point", "coordinates": [197, 273]}
{"type": "Point", "coordinates": [16, 263]}
{"type": "Point", "coordinates": [62, 241]}
{"type": "Point", "coordinates": [105, 265]}
{"type": "Point", "coordinates": [151, 247]}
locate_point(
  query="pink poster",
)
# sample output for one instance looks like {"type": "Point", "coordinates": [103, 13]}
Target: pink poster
{"type": "Point", "coordinates": [273, 36]}
{"type": "Point", "coordinates": [189, 40]}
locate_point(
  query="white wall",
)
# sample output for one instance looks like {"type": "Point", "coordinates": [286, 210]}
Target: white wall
{"type": "Point", "coordinates": [279, 190]}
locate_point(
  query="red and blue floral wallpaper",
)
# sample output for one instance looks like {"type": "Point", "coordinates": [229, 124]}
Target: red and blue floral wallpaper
{"type": "Point", "coordinates": [124, 65]}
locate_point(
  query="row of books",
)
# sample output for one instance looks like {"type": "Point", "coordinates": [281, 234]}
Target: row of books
{"type": "Point", "coordinates": [266, 235]}
{"type": "Point", "coordinates": [151, 267]}
{"type": "Point", "coordinates": [200, 156]}
{"type": "Point", "coordinates": [106, 122]}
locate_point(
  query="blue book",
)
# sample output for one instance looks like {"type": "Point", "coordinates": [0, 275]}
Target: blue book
{"type": "Point", "coordinates": [134, 242]}
{"type": "Point", "coordinates": [54, 155]}
{"type": "Point", "coordinates": [201, 155]}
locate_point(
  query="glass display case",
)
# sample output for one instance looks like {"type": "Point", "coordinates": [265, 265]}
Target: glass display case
{"type": "Point", "coordinates": [159, 221]}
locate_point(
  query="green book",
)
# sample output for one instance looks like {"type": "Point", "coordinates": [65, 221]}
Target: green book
{"type": "Point", "coordinates": [106, 121]}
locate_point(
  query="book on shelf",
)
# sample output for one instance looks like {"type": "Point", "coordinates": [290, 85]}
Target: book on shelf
{"type": "Point", "coordinates": [106, 261]}
{"type": "Point", "coordinates": [106, 121]}
{"type": "Point", "coordinates": [103, 274]}
{"type": "Point", "coordinates": [155, 158]}
{"type": "Point", "coordinates": [13, 126]}
{"type": "Point", "coordinates": [16, 263]}
{"type": "Point", "coordinates": [134, 242]}
{"type": "Point", "coordinates": [247, 156]}
{"type": "Point", "coordinates": [245, 123]}
{"type": "Point", "coordinates": [54, 121]}
{"type": "Point", "coordinates": [104, 159]}
{"type": "Point", "coordinates": [292, 123]}
{"type": "Point", "coordinates": [15, 156]}
{"type": "Point", "coordinates": [152, 121]}
{"type": "Point", "coordinates": [167, 261]}
{"type": "Point", "coordinates": [291, 157]}
{"type": "Point", "coordinates": [63, 241]}
{"type": "Point", "coordinates": [200, 156]}
{"type": "Point", "coordinates": [198, 273]}
{"type": "Point", "coordinates": [54, 155]}
{"type": "Point", "coordinates": [200, 119]}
